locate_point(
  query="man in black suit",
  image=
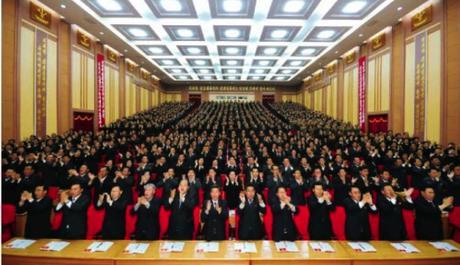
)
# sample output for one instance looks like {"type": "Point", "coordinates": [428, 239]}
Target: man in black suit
{"type": "Point", "coordinates": [114, 204]}
{"type": "Point", "coordinates": [213, 216]}
{"type": "Point", "coordinates": [38, 210]}
{"type": "Point", "coordinates": [147, 209]}
{"type": "Point", "coordinates": [102, 183]}
{"type": "Point", "coordinates": [73, 205]}
{"type": "Point", "coordinates": [181, 204]}
{"type": "Point", "coordinates": [251, 210]}
{"type": "Point", "coordinates": [320, 205]}
{"type": "Point", "coordinates": [298, 187]}
{"type": "Point", "coordinates": [283, 210]}
{"type": "Point", "coordinates": [428, 224]}
{"type": "Point", "coordinates": [390, 207]}
{"type": "Point", "coordinates": [357, 207]}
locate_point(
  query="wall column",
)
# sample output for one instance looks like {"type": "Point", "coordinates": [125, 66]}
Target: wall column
{"type": "Point", "coordinates": [64, 102]}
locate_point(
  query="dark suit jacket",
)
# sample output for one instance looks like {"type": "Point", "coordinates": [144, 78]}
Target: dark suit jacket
{"type": "Point", "coordinates": [38, 217]}
{"type": "Point", "coordinates": [74, 219]}
{"type": "Point", "coordinates": [113, 226]}
{"type": "Point", "coordinates": [391, 219]}
{"type": "Point", "coordinates": [283, 223]}
{"type": "Point", "coordinates": [181, 220]}
{"type": "Point", "coordinates": [214, 222]}
{"type": "Point", "coordinates": [250, 225]}
{"type": "Point", "coordinates": [428, 225]}
{"type": "Point", "coordinates": [357, 222]}
{"type": "Point", "coordinates": [147, 226]}
{"type": "Point", "coordinates": [320, 227]}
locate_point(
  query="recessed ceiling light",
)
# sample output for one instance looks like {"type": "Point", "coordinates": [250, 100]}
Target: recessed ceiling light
{"type": "Point", "coordinates": [232, 33]}
{"type": "Point", "coordinates": [354, 7]}
{"type": "Point", "coordinates": [171, 5]}
{"type": "Point", "coordinates": [279, 78]}
{"type": "Point", "coordinates": [110, 5]}
{"type": "Point", "coordinates": [256, 77]}
{"type": "Point", "coordinates": [176, 71]}
{"type": "Point", "coordinates": [205, 71]}
{"type": "Point", "coordinates": [194, 50]}
{"type": "Point", "coordinates": [232, 71]}
{"type": "Point", "coordinates": [295, 63]}
{"type": "Point", "coordinates": [156, 50]}
{"type": "Point", "coordinates": [200, 62]}
{"type": "Point", "coordinates": [185, 33]}
{"type": "Point", "coordinates": [62, 17]}
{"type": "Point", "coordinates": [325, 34]}
{"type": "Point", "coordinates": [270, 51]}
{"type": "Point", "coordinates": [286, 71]}
{"type": "Point", "coordinates": [137, 32]}
{"type": "Point", "coordinates": [293, 6]}
{"type": "Point", "coordinates": [400, 8]}
{"type": "Point", "coordinates": [182, 77]}
{"type": "Point", "coordinates": [263, 63]}
{"type": "Point", "coordinates": [231, 62]}
{"type": "Point", "coordinates": [63, 6]}
{"type": "Point", "coordinates": [232, 50]}
{"type": "Point", "coordinates": [207, 77]}
{"type": "Point", "coordinates": [125, 50]}
{"type": "Point", "coordinates": [400, 19]}
{"type": "Point", "coordinates": [336, 52]}
{"type": "Point", "coordinates": [101, 33]}
{"type": "Point", "coordinates": [232, 6]}
{"type": "Point", "coordinates": [360, 35]}
{"type": "Point", "coordinates": [259, 71]}
{"type": "Point", "coordinates": [167, 62]}
{"type": "Point", "coordinates": [279, 34]}
{"type": "Point", "coordinates": [308, 51]}
{"type": "Point", "coordinates": [232, 77]}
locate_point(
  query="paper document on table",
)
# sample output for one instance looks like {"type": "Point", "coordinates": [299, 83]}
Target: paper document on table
{"type": "Point", "coordinates": [362, 246]}
{"type": "Point", "coordinates": [322, 246]}
{"type": "Point", "coordinates": [20, 243]}
{"type": "Point", "coordinates": [207, 247]}
{"type": "Point", "coordinates": [445, 246]}
{"type": "Point", "coordinates": [55, 246]}
{"type": "Point", "coordinates": [245, 247]}
{"type": "Point", "coordinates": [137, 248]}
{"type": "Point", "coordinates": [405, 247]}
{"type": "Point", "coordinates": [286, 246]}
{"type": "Point", "coordinates": [99, 246]}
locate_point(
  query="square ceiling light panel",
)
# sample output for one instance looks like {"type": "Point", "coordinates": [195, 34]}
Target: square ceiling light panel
{"type": "Point", "coordinates": [237, 40]}
{"type": "Point", "coordinates": [172, 8]}
{"type": "Point", "coordinates": [232, 8]}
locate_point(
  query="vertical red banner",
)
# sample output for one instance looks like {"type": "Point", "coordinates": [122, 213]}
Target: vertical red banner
{"type": "Point", "coordinates": [362, 93]}
{"type": "Point", "coordinates": [100, 91]}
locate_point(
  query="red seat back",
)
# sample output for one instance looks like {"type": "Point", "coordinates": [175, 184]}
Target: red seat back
{"type": "Point", "coordinates": [164, 221]}
{"type": "Point", "coordinates": [268, 222]}
{"type": "Point", "coordinates": [196, 221]}
{"type": "Point", "coordinates": [338, 217]}
{"type": "Point", "coordinates": [130, 226]}
{"type": "Point", "coordinates": [95, 220]}
{"type": "Point", "coordinates": [53, 192]}
{"type": "Point", "coordinates": [56, 221]}
{"type": "Point", "coordinates": [301, 220]}
{"type": "Point", "coordinates": [409, 219]}
{"type": "Point", "coordinates": [8, 214]}
{"type": "Point", "coordinates": [374, 225]}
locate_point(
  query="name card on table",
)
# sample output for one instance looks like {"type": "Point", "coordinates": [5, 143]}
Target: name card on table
{"type": "Point", "coordinates": [286, 246]}
{"type": "Point", "coordinates": [55, 246]}
{"type": "Point", "coordinates": [362, 246]}
{"type": "Point", "coordinates": [245, 247]}
{"type": "Point", "coordinates": [19, 243]}
{"type": "Point", "coordinates": [99, 246]}
{"type": "Point", "coordinates": [444, 246]}
{"type": "Point", "coordinates": [172, 246]}
{"type": "Point", "coordinates": [137, 248]}
{"type": "Point", "coordinates": [207, 247]}
{"type": "Point", "coordinates": [322, 246]}
{"type": "Point", "coordinates": [405, 247]}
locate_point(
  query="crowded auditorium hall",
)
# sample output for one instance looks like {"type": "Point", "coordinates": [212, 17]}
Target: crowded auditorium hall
{"type": "Point", "coordinates": [245, 132]}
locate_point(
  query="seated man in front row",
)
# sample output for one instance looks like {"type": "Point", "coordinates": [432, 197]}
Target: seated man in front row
{"type": "Point", "coordinates": [284, 228]}
{"type": "Point", "coordinates": [251, 211]}
{"type": "Point", "coordinates": [74, 205]}
{"type": "Point", "coordinates": [214, 216]}
{"type": "Point", "coordinates": [114, 204]}
{"type": "Point", "coordinates": [357, 207]}
{"type": "Point", "coordinates": [147, 209]}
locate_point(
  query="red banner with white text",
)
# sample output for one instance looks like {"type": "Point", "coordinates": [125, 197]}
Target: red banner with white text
{"type": "Point", "coordinates": [100, 91]}
{"type": "Point", "coordinates": [362, 93]}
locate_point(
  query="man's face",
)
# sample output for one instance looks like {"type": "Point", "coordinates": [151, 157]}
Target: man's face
{"type": "Point", "coordinates": [149, 192]}
{"type": "Point", "coordinates": [215, 193]}
{"type": "Point", "coordinates": [28, 171]}
{"type": "Point", "coordinates": [297, 175]}
{"type": "Point", "coordinates": [83, 169]}
{"type": "Point", "coordinates": [250, 192]}
{"type": "Point", "coordinates": [388, 191]}
{"type": "Point", "coordinates": [457, 171]}
{"type": "Point", "coordinates": [75, 190]}
{"type": "Point", "coordinates": [318, 191]}
{"type": "Point", "coordinates": [355, 194]}
{"type": "Point", "coordinates": [115, 192]}
{"type": "Point", "coordinates": [183, 186]}
{"type": "Point", "coordinates": [281, 194]}
{"type": "Point", "coordinates": [39, 192]}
{"type": "Point", "coordinates": [428, 194]}
{"type": "Point", "coordinates": [434, 173]}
